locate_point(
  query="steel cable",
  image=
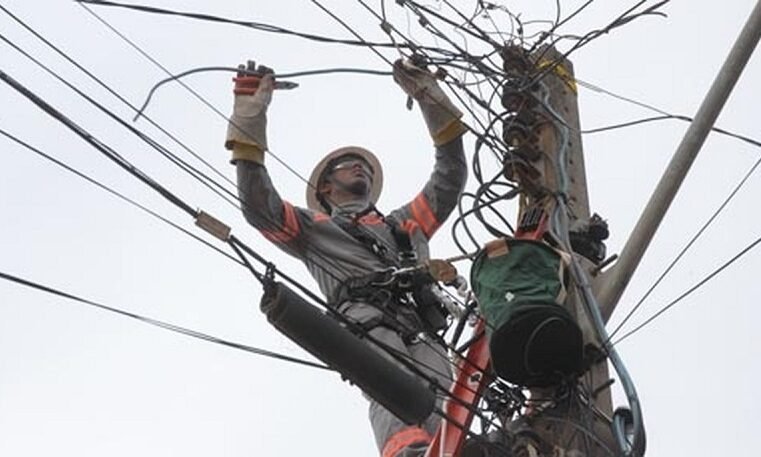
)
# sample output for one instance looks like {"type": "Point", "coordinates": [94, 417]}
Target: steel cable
{"type": "Point", "coordinates": [162, 324]}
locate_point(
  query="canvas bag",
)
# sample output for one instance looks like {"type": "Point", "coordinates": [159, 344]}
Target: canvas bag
{"type": "Point", "coordinates": [521, 289]}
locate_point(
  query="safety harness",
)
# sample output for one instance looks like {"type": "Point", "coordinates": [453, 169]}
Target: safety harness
{"type": "Point", "coordinates": [407, 294]}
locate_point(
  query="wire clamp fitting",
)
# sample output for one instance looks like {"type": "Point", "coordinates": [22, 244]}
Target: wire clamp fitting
{"type": "Point", "coordinates": [213, 225]}
{"type": "Point", "coordinates": [269, 272]}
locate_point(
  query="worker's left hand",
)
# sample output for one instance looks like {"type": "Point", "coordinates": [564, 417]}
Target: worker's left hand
{"type": "Point", "coordinates": [247, 129]}
{"type": "Point", "coordinates": [441, 116]}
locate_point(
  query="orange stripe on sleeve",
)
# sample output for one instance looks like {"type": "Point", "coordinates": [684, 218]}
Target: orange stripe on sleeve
{"type": "Point", "coordinates": [290, 228]}
{"type": "Point", "coordinates": [423, 215]}
{"type": "Point", "coordinates": [404, 438]}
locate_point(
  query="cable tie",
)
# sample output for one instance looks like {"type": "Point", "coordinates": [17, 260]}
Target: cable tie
{"type": "Point", "coordinates": [213, 225]}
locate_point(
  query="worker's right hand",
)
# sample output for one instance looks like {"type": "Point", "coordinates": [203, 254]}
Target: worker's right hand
{"type": "Point", "coordinates": [247, 128]}
{"type": "Point", "coordinates": [441, 116]}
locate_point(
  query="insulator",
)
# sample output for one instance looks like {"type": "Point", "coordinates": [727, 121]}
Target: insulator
{"type": "Point", "coordinates": [516, 61]}
{"type": "Point", "coordinates": [516, 134]}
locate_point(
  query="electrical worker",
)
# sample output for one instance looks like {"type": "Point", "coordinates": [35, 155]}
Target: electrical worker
{"type": "Point", "coordinates": [341, 236]}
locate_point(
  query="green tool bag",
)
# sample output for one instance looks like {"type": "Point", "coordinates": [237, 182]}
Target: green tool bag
{"type": "Point", "coordinates": [520, 286]}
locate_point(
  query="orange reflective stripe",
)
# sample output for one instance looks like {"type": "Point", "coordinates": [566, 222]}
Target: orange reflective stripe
{"type": "Point", "coordinates": [423, 215]}
{"type": "Point", "coordinates": [409, 226]}
{"type": "Point", "coordinates": [290, 228]}
{"type": "Point", "coordinates": [320, 217]}
{"type": "Point", "coordinates": [404, 438]}
{"type": "Point", "coordinates": [371, 219]}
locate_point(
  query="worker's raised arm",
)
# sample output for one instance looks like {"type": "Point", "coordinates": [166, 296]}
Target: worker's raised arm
{"type": "Point", "coordinates": [278, 220]}
{"type": "Point", "coordinates": [439, 196]}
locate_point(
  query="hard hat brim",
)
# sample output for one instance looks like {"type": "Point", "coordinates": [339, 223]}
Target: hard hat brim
{"type": "Point", "coordinates": [313, 202]}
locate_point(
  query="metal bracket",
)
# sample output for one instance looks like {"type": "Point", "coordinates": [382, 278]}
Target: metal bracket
{"type": "Point", "coordinates": [213, 225]}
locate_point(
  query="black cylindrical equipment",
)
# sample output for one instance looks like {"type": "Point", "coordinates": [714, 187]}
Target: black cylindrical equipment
{"type": "Point", "coordinates": [322, 336]}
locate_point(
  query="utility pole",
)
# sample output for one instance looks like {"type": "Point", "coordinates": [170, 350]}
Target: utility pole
{"type": "Point", "coordinates": [532, 135]}
{"type": "Point", "coordinates": [617, 279]}
{"type": "Point", "coordinates": [535, 144]}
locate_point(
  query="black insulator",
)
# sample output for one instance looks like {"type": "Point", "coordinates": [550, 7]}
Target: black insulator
{"type": "Point", "coordinates": [598, 228]}
{"type": "Point", "coordinates": [322, 336]}
{"type": "Point", "coordinates": [516, 134]}
{"type": "Point", "coordinates": [516, 60]}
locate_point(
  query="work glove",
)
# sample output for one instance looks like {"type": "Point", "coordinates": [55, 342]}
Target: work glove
{"type": "Point", "coordinates": [247, 129]}
{"type": "Point", "coordinates": [441, 116]}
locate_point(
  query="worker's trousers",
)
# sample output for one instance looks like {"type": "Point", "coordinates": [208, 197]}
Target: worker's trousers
{"type": "Point", "coordinates": [393, 437]}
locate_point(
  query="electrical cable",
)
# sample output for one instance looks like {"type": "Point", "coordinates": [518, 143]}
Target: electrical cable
{"type": "Point", "coordinates": [104, 149]}
{"type": "Point", "coordinates": [689, 244]}
{"type": "Point", "coordinates": [689, 291]}
{"type": "Point", "coordinates": [142, 52]}
{"type": "Point", "coordinates": [114, 156]}
{"type": "Point", "coordinates": [242, 71]}
{"type": "Point", "coordinates": [114, 192]}
{"type": "Point", "coordinates": [253, 25]}
{"type": "Point", "coordinates": [203, 100]}
{"type": "Point", "coordinates": [162, 324]}
{"type": "Point", "coordinates": [234, 242]}
{"type": "Point", "coordinates": [132, 129]}
{"type": "Point", "coordinates": [623, 19]}
{"type": "Point", "coordinates": [317, 253]}
{"type": "Point", "coordinates": [352, 31]}
{"type": "Point", "coordinates": [623, 419]}
{"type": "Point", "coordinates": [105, 86]}
{"type": "Point", "coordinates": [474, 97]}
{"type": "Point", "coordinates": [678, 117]}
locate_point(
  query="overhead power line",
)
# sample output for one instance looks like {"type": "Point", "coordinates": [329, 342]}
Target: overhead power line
{"type": "Point", "coordinates": [114, 192]}
{"type": "Point", "coordinates": [113, 92]}
{"type": "Point", "coordinates": [689, 244]}
{"type": "Point", "coordinates": [327, 262]}
{"type": "Point", "coordinates": [137, 173]}
{"type": "Point", "coordinates": [664, 115]}
{"type": "Point", "coordinates": [162, 324]}
{"type": "Point", "coordinates": [692, 289]}
{"type": "Point", "coordinates": [262, 27]}
{"type": "Point", "coordinates": [208, 104]}
{"type": "Point", "coordinates": [237, 244]}
{"type": "Point", "coordinates": [94, 142]}
{"type": "Point", "coordinates": [220, 190]}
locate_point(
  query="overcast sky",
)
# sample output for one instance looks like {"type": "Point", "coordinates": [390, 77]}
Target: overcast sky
{"type": "Point", "coordinates": [75, 380]}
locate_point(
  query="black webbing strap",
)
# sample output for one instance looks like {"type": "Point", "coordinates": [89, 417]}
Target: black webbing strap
{"type": "Point", "coordinates": [372, 242]}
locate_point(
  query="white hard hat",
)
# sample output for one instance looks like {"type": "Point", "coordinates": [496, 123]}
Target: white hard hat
{"type": "Point", "coordinates": [313, 202]}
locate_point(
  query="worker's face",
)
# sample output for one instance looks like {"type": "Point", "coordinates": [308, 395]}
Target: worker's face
{"type": "Point", "coordinates": [352, 175]}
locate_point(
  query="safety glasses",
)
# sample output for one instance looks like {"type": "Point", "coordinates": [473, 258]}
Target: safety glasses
{"type": "Point", "coordinates": [351, 163]}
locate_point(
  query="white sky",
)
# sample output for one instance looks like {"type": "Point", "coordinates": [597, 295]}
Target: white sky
{"type": "Point", "coordinates": [78, 381]}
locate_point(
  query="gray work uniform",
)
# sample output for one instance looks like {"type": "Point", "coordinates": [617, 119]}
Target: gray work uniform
{"type": "Point", "coordinates": [333, 255]}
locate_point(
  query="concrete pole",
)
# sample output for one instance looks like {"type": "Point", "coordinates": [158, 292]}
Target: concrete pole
{"type": "Point", "coordinates": [560, 83]}
{"type": "Point", "coordinates": [615, 281]}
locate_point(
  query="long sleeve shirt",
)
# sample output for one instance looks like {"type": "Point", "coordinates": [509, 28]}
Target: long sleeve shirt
{"type": "Point", "coordinates": [330, 253]}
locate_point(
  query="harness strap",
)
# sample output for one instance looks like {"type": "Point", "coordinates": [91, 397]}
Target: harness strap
{"type": "Point", "coordinates": [366, 238]}
{"type": "Point", "coordinates": [426, 306]}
